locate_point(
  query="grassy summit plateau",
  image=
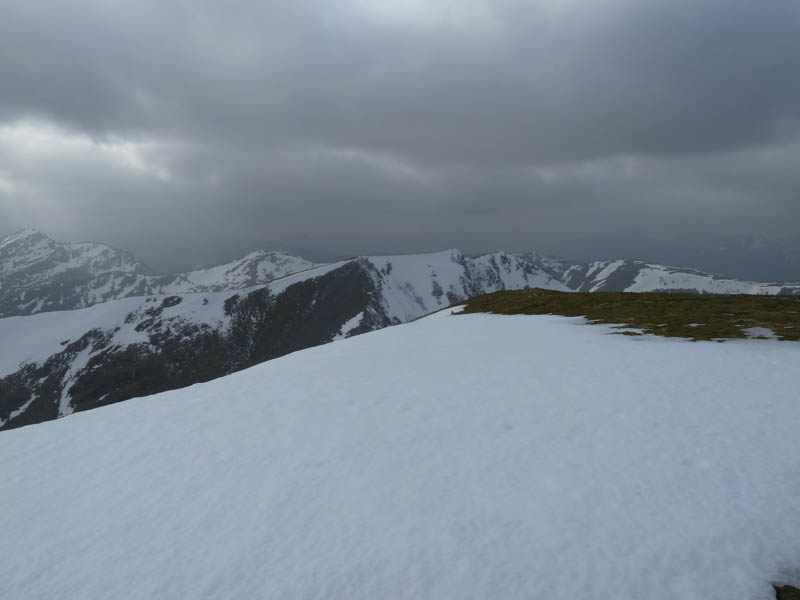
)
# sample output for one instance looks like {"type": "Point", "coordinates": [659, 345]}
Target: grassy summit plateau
{"type": "Point", "coordinates": [693, 316]}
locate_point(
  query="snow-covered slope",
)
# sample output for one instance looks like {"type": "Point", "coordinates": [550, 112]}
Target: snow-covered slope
{"type": "Point", "coordinates": [57, 363]}
{"type": "Point", "coordinates": [415, 284]}
{"type": "Point", "coordinates": [38, 274]}
{"type": "Point", "coordinates": [638, 276]}
{"type": "Point", "coordinates": [469, 456]}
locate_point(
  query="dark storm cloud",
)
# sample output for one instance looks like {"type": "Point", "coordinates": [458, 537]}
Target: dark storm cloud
{"type": "Point", "coordinates": [205, 128]}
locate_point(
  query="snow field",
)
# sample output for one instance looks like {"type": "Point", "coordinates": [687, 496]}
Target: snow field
{"type": "Point", "coordinates": [474, 456]}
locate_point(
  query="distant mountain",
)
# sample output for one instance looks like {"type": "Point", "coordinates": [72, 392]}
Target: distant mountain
{"type": "Point", "coordinates": [638, 276]}
{"type": "Point", "coordinates": [744, 257]}
{"type": "Point", "coordinates": [253, 269]}
{"type": "Point", "coordinates": [38, 274]}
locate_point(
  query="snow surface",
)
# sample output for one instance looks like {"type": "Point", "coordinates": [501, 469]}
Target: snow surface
{"type": "Point", "coordinates": [474, 456]}
{"type": "Point", "coordinates": [761, 332]}
{"type": "Point", "coordinates": [349, 326]}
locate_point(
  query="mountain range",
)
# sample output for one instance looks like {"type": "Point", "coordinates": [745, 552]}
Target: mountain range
{"type": "Point", "coordinates": [86, 325]}
{"type": "Point", "coordinates": [38, 274]}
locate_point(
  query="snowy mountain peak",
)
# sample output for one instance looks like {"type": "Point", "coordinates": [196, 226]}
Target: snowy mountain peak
{"type": "Point", "coordinates": [28, 247]}
{"type": "Point", "coordinates": [24, 242]}
{"type": "Point", "coordinates": [39, 274]}
{"type": "Point", "coordinates": [24, 234]}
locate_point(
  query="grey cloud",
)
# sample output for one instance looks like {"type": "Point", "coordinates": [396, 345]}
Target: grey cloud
{"type": "Point", "coordinates": [205, 128]}
{"type": "Point", "coordinates": [545, 84]}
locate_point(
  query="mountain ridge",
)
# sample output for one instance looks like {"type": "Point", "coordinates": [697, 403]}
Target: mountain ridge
{"type": "Point", "coordinates": [38, 274]}
{"type": "Point", "coordinates": [54, 363]}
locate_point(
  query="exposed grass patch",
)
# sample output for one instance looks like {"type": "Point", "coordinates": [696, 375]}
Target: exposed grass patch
{"type": "Point", "coordinates": [693, 316]}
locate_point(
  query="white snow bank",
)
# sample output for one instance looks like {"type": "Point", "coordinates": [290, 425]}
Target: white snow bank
{"type": "Point", "coordinates": [36, 337]}
{"type": "Point", "coordinates": [349, 326]}
{"type": "Point", "coordinates": [473, 456]}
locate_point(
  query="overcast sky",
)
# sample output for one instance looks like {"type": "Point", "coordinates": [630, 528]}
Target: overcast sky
{"type": "Point", "coordinates": [192, 131]}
